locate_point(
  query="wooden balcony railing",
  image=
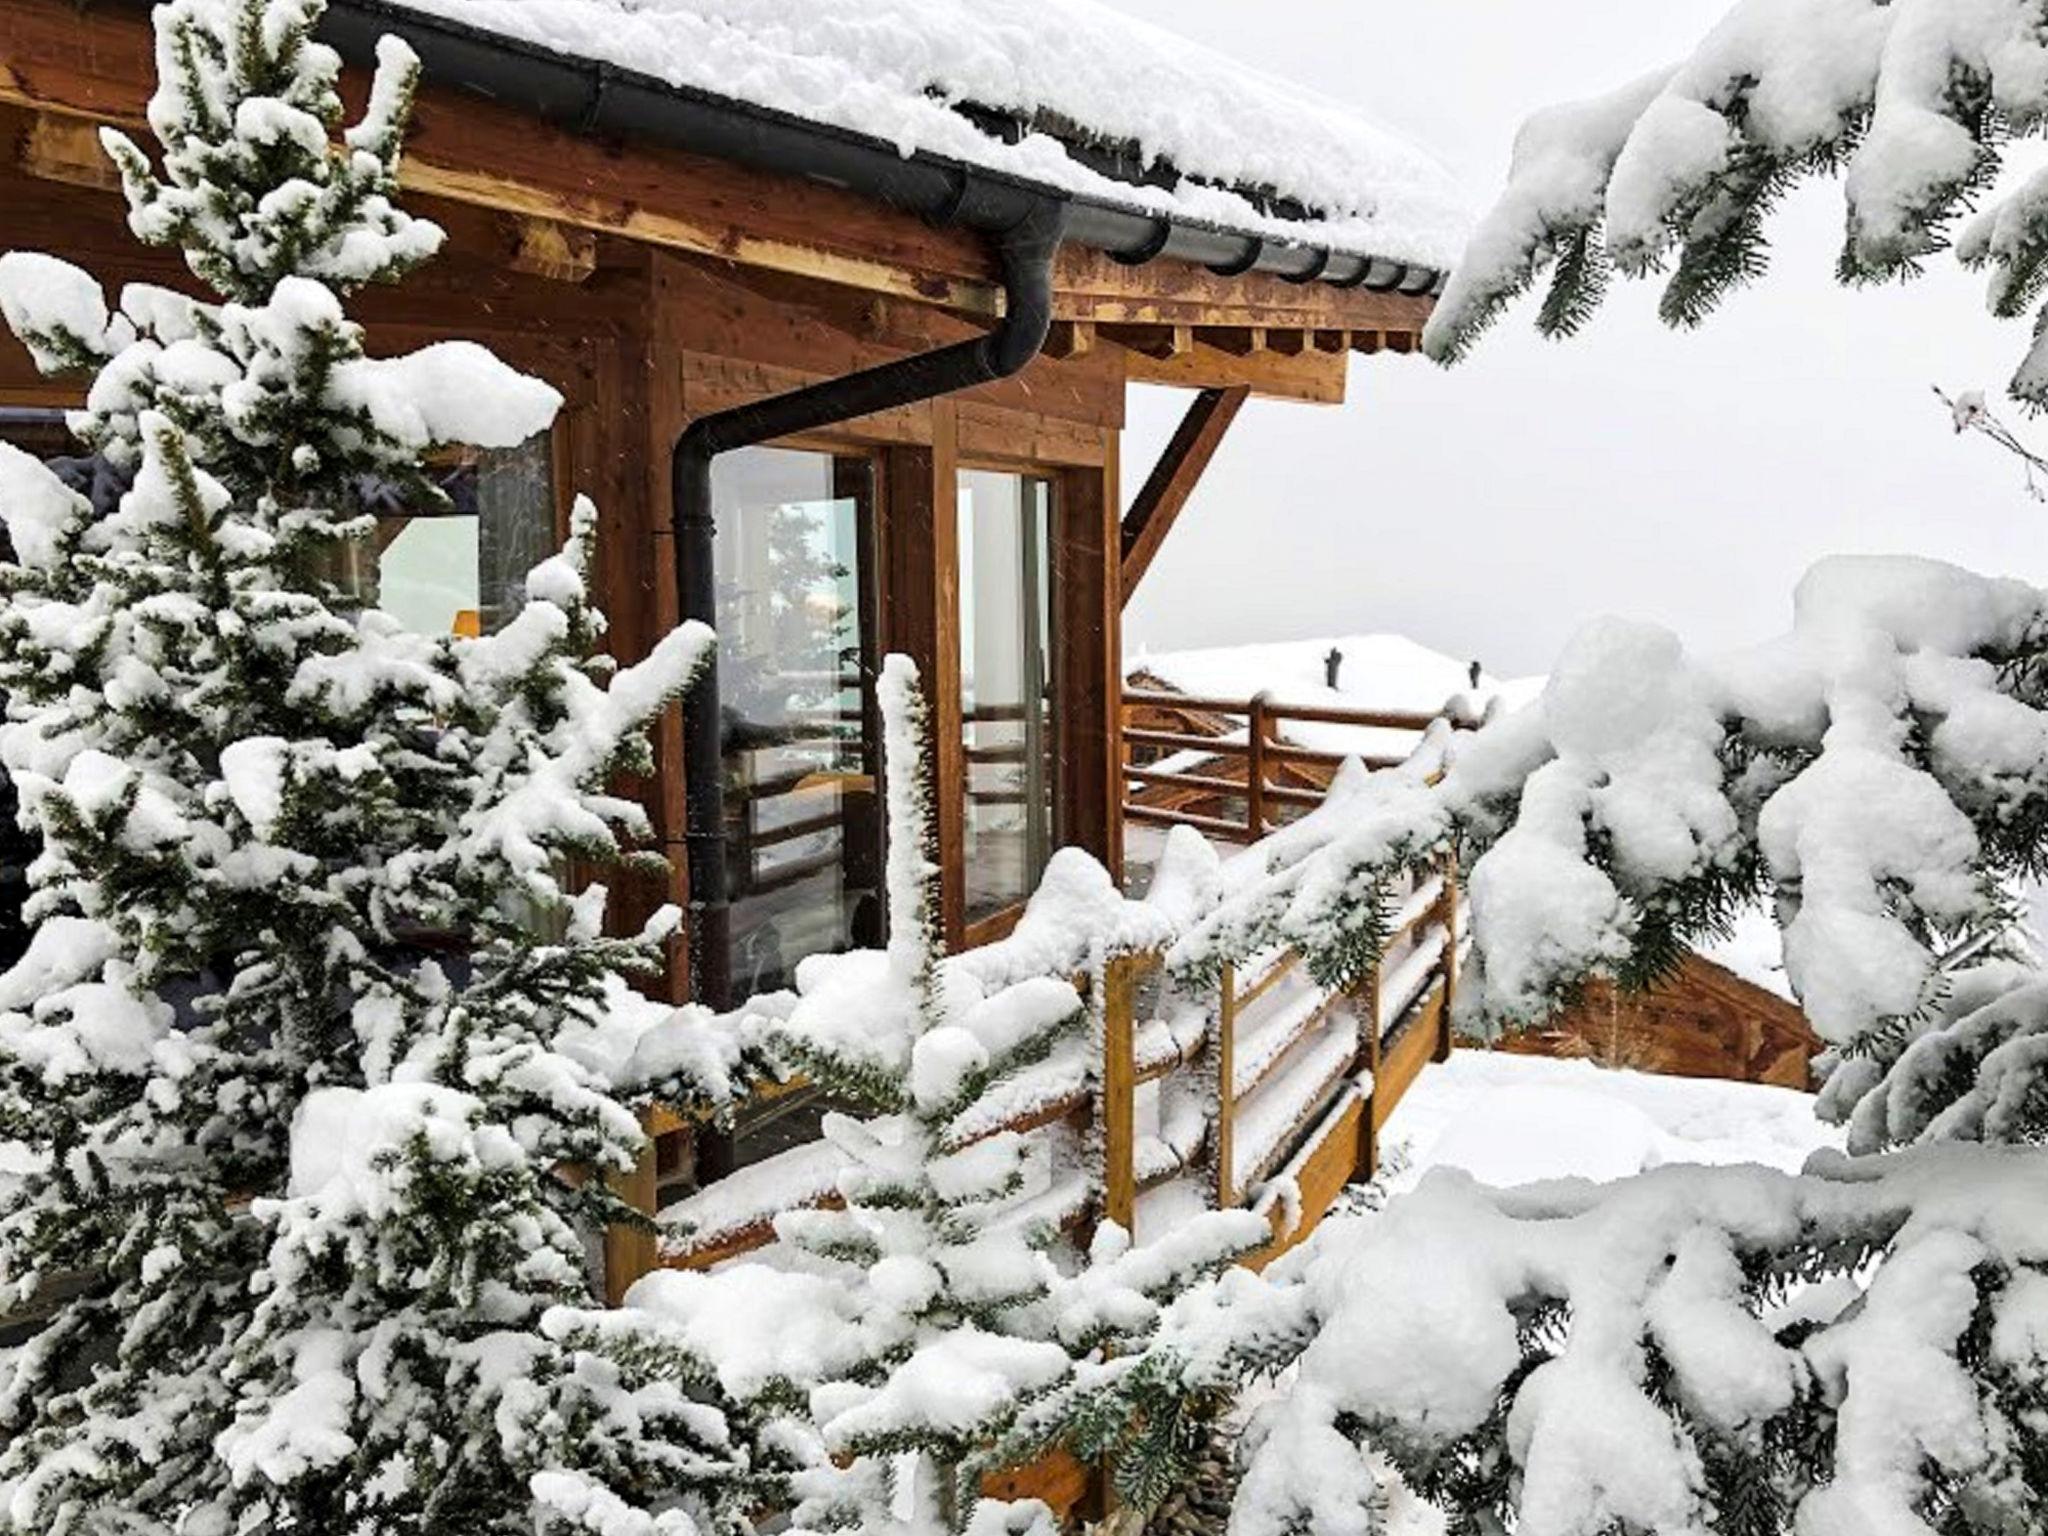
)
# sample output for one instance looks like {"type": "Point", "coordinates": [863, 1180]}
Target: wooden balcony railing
{"type": "Point", "coordinates": [1188, 764]}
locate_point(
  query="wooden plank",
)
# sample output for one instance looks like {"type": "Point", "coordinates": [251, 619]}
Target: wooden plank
{"type": "Point", "coordinates": [67, 150]}
{"type": "Point", "coordinates": [1324, 1171]}
{"type": "Point", "coordinates": [546, 248]}
{"type": "Point", "coordinates": [1314, 377]}
{"type": "Point", "coordinates": [1229, 831]}
{"type": "Point", "coordinates": [1402, 1061]}
{"type": "Point", "coordinates": [1448, 907]}
{"type": "Point", "coordinates": [1226, 1089]}
{"type": "Point", "coordinates": [1173, 480]}
{"type": "Point", "coordinates": [1058, 1479]}
{"type": "Point", "coordinates": [1119, 1093]}
{"type": "Point", "coordinates": [630, 1252]}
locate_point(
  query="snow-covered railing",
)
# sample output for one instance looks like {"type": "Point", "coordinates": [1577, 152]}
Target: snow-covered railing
{"type": "Point", "coordinates": [1182, 751]}
{"type": "Point", "coordinates": [1261, 1089]}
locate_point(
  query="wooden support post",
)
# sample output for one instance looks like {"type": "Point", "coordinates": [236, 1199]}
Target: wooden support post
{"type": "Point", "coordinates": [921, 618]}
{"type": "Point", "coordinates": [1450, 960]}
{"type": "Point", "coordinates": [1120, 1090]}
{"type": "Point", "coordinates": [1369, 1130]}
{"type": "Point", "coordinates": [1174, 478]}
{"type": "Point", "coordinates": [1255, 766]}
{"type": "Point", "coordinates": [630, 1251]}
{"type": "Point", "coordinates": [67, 150]}
{"type": "Point", "coordinates": [1226, 1091]}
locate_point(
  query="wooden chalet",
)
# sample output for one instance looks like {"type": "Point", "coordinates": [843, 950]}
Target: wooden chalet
{"type": "Point", "coordinates": [839, 398]}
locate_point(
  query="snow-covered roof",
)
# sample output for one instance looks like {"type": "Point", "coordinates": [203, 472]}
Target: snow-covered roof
{"type": "Point", "coordinates": [1389, 673]}
{"type": "Point", "coordinates": [1030, 88]}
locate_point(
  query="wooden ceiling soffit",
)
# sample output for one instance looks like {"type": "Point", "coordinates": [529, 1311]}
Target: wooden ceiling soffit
{"type": "Point", "coordinates": [1174, 478]}
{"type": "Point", "coordinates": [95, 64]}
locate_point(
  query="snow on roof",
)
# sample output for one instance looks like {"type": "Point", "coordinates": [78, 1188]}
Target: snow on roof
{"type": "Point", "coordinates": [1509, 1120]}
{"type": "Point", "coordinates": [909, 72]}
{"type": "Point", "coordinates": [1379, 672]}
{"type": "Point", "coordinates": [1755, 951]}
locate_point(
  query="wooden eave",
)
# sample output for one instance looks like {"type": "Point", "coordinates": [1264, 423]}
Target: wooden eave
{"type": "Point", "coordinates": [1173, 322]}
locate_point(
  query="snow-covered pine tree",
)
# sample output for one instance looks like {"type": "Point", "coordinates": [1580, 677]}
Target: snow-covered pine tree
{"type": "Point", "coordinates": [1860, 1348]}
{"type": "Point", "coordinates": [925, 1334]}
{"type": "Point", "coordinates": [1915, 102]}
{"type": "Point", "coordinates": [306, 1032]}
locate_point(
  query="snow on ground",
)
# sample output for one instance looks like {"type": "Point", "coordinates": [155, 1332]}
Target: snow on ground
{"type": "Point", "coordinates": [898, 70]}
{"type": "Point", "coordinates": [1510, 1120]}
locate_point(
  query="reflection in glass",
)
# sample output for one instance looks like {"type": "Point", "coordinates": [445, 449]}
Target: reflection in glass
{"type": "Point", "coordinates": [1005, 670]}
{"type": "Point", "coordinates": [462, 568]}
{"type": "Point", "coordinates": [802, 821]}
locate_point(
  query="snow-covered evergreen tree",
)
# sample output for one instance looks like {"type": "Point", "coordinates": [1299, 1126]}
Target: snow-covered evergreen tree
{"type": "Point", "coordinates": [924, 1334]}
{"type": "Point", "coordinates": [300, 1048]}
{"type": "Point", "coordinates": [1916, 103]}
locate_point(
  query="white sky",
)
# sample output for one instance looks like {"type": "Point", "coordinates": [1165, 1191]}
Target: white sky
{"type": "Point", "coordinates": [1687, 478]}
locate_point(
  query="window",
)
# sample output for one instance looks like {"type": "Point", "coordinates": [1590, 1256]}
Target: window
{"type": "Point", "coordinates": [803, 824]}
{"type": "Point", "coordinates": [464, 569]}
{"type": "Point", "coordinates": [1005, 672]}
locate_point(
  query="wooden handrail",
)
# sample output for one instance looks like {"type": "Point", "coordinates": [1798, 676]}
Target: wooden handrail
{"type": "Point", "coordinates": [1261, 746]}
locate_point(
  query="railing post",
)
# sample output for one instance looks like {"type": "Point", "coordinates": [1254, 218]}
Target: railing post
{"type": "Point", "coordinates": [1450, 960]}
{"type": "Point", "coordinates": [1120, 1090]}
{"type": "Point", "coordinates": [630, 1251]}
{"type": "Point", "coordinates": [1369, 1021]}
{"type": "Point", "coordinates": [1255, 766]}
{"type": "Point", "coordinates": [1226, 1090]}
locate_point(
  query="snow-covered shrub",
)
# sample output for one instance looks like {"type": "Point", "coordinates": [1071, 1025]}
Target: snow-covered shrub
{"type": "Point", "coordinates": [295, 1046]}
{"type": "Point", "coordinates": [1913, 101]}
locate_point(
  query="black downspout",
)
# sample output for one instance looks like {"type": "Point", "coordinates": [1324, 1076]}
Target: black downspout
{"type": "Point", "coordinates": [1025, 250]}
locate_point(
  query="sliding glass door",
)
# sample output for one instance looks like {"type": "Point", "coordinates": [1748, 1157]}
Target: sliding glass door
{"type": "Point", "coordinates": [1006, 648]}
{"type": "Point", "coordinates": [796, 664]}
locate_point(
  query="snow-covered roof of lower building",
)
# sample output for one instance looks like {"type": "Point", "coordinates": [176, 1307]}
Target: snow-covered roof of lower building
{"type": "Point", "coordinates": [1394, 673]}
{"type": "Point", "coordinates": [1063, 93]}
{"type": "Point", "coordinates": [1509, 1120]}
{"type": "Point", "coordinates": [1385, 673]}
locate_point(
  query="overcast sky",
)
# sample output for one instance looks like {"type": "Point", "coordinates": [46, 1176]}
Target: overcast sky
{"type": "Point", "coordinates": [1689, 478]}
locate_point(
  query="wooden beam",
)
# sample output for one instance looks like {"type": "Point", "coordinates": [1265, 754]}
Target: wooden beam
{"type": "Point", "coordinates": [1315, 377]}
{"type": "Point", "coordinates": [1173, 480]}
{"type": "Point", "coordinates": [67, 150]}
{"type": "Point", "coordinates": [1157, 341]}
{"type": "Point", "coordinates": [1237, 340]}
{"type": "Point", "coordinates": [545, 248]}
{"type": "Point", "coordinates": [1070, 338]}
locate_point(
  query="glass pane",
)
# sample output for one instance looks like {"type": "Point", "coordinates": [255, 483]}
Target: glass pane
{"type": "Point", "coordinates": [803, 825]}
{"type": "Point", "coordinates": [464, 569]}
{"type": "Point", "coordinates": [1005, 673]}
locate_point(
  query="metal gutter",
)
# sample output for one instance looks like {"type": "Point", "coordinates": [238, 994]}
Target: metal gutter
{"type": "Point", "coordinates": [604, 101]}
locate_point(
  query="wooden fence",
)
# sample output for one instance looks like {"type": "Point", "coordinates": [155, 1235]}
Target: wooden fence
{"type": "Point", "coordinates": [1183, 750]}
